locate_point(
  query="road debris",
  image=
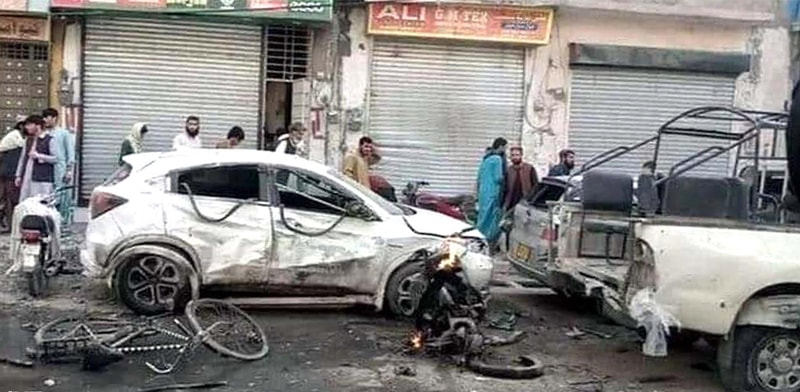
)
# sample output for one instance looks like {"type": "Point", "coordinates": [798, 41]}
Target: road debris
{"type": "Point", "coordinates": [200, 385]}
{"type": "Point", "coordinates": [656, 321]}
{"type": "Point", "coordinates": [404, 370]}
{"type": "Point", "coordinates": [597, 333]}
{"type": "Point", "coordinates": [16, 362]}
{"type": "Point", "coordinates": [506, 322]}
{"type": "Point", "coordinates": [575, 333]}
{"type": "Point", "coordinates": [656, 379]}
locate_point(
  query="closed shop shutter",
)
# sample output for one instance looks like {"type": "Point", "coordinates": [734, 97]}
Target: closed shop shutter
{"type": "Point", "coordinates": [159, 72]}
{"type": "Point", "coordinates": [612, 107]}
{"type": "Point", "coordinates": [434, 108]}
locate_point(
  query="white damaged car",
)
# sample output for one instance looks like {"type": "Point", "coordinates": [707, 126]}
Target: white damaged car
{"type": "Point", "coordinates": [263, 228]}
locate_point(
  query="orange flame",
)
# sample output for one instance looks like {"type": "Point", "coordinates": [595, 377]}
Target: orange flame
{"type": "Point", "coordinates": [416, 340]}
{"type": "Point", "coordinates": [447, 263]}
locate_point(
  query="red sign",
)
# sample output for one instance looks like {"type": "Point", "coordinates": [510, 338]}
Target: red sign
{"type": "Point", "coordinates": [464, 22]}
{"type": "Point", "coordinates": [142, 3]}
{"type": "Point", "coordinates": [268, 4]}
{"type": "Point", "coordinates": [66, 3]}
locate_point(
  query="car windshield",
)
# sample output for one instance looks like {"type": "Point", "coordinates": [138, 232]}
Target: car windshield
{"type": "Point", "coordinates": [368, 193]}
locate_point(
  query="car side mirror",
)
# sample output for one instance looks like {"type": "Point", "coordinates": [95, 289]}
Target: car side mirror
{"type": "Point", "coordinates": [357, 209]}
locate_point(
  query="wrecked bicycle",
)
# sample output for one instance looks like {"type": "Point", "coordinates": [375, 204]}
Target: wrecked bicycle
{"type": "Point", "coordinates": [98, 342]}
{"type": "Point", "coordinates": [448, 316]}
{"type": "Point", "coordinates": [41, 237]}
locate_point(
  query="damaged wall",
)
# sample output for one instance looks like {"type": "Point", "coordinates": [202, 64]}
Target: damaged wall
{"type": "Point", "coordinates": [547, 71]}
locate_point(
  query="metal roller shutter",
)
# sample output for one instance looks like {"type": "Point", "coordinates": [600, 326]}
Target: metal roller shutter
{"type": "Point", "coordinates": [434, 108]}
{"type": "Point", "coordinates": [159, 72]}
{"type": "Point", "coordinates": [611, 107]}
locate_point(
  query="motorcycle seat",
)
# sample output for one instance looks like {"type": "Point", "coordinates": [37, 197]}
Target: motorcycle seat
{"type": "Point", "coordinates": [458, 200]}
{"type": "Point", "coordinates": [35, 222]}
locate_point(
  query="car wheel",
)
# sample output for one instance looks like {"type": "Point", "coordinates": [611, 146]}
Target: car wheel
{"type": "Point", "coordinates": [405, 288]}
{"type": "Point", "coordinates": [153, 284]}
{"type": "Point", "coordinates": [762, 359]}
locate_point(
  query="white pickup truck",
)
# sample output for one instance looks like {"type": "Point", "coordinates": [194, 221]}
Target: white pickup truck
{"type": "Point", "coordinates": [716, 256]}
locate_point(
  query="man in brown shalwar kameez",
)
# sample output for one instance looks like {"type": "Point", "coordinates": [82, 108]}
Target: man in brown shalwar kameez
{"type": "Point", "coordinates": [521, 179]}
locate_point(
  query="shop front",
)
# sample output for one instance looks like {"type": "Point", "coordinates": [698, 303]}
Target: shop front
{"type": "Point", "coordinates": [445, 81]}
{"type": "Point", "coordinates": [217, 60]}
{"type": "Point", "coordinates": [24, 64]}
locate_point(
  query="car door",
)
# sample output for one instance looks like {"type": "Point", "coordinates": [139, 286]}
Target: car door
{"type": "Point", "coordinates": [226, 220]}
{"type": "Point", "coordinates": [327, 242]}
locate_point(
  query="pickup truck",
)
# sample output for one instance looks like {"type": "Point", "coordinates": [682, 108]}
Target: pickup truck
{"type": "Point", "coordinates": [712, 255]}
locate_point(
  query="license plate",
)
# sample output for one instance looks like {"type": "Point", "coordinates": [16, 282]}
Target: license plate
{"type": "Point", "coordinates": [522, 252]}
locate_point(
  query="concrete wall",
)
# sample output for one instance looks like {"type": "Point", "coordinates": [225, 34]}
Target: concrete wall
{"type": "Point", "coordinates": [547, 71]}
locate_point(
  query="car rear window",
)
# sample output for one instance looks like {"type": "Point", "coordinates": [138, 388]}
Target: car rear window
{"type": "Point", "coordinates": [119, 175]}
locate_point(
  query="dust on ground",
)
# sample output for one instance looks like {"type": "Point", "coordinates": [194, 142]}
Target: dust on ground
{"type": "Point", "coordinates": [359, 350]}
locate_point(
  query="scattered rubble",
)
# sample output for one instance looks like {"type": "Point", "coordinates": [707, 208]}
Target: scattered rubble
{"type": "Point", "coordinates": [201, 385]}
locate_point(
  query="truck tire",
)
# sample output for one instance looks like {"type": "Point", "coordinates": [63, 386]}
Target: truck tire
{"type": "Point", "coordinates": [404, 290]}
{"type": "Point", "coordinates": [761, 359]}
{"type": "Point", "coordinates": [152, 284]}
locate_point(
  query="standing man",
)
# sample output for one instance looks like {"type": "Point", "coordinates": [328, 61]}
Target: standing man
{"type": "Point", "coordinates": [357, 162]}
{"type": "Point", "coordinates": [190, 137]}
{"type": "Point", "coordinates": [521, 179]}
{"type": "Point", "coordinates": [490, 189]}
{"type": "Point", "coordinates": [64, 168]}
{"type": "Point", "coordinates": [10, 149]}
{"type": "Point", "coordinates": [36, 167]}
{"type": "Point", "coordinates": [235, 137]}
{"type": "Point", "coordinates": [565, 165]}
{"type": "Point", "coordinates": [292, 142]}
{"type": "Point", "coordinates": [65, 149]}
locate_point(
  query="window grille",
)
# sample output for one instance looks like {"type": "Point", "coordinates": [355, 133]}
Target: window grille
{"type": "Point", "coordinates": [288, 53]}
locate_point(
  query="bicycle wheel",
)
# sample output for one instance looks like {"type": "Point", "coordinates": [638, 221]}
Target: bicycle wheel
{"type": "Point", "coordinates": [230, 331]}
{"type": "Point", "coordinates": [67, 337]}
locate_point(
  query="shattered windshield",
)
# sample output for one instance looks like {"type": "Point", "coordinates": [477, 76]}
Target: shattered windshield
{"type": "Point", "coordinates": [368, 193]}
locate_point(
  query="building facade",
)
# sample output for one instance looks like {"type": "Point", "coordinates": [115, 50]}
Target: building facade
{"type": "Point", "coordinates": [231, 63]}
{"type": "Point", "coordinates": [24, 59]}
{"type": "Point", "coordinates": [433, 91]}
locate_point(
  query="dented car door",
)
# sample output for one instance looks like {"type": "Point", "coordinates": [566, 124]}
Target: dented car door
{"type": "Point", "coordinates": [322, 249]}
{"type": "Point", "coordinates": [226, 219]}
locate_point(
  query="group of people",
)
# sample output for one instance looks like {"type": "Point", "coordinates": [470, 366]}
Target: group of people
{"type": "Point", "coordinates": [290, 142]}
{"type": "Point", "coordinates": [501, 187]}
{"type": "Point", "coordinates": [36, 158]}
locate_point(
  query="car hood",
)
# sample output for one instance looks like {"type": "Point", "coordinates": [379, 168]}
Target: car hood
{"type": "Point", "coordinates": [440, 225]}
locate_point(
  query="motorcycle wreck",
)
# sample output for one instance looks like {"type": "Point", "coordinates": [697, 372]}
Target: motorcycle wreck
{"type": "Point", "coordinates": [448, 318]}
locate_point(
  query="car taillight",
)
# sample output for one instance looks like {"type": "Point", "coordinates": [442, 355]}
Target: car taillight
{"type": "Point", "coordinates": [103, 202]}
{"type": "Point", "coordinates": [31, 236]}
{"type": "Point", "coordinates": [548, 234]}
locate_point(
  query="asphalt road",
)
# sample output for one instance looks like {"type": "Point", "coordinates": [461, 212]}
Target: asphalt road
{"type": "Point", "coordinates": [363, 351]}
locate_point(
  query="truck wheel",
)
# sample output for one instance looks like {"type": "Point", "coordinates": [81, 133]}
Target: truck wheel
{"type": "Point", "coordinates": [762, 359]}
{"type": "Point", "coordinates": [152, 284]}
{"type": "Point", "coordinates": [405, 288]}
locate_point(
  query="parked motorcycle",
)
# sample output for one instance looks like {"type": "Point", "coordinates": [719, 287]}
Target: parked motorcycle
{"type": "Point", "coordinates": [36, 236]}
{"type": "Point", "coordinates": [461, 207]}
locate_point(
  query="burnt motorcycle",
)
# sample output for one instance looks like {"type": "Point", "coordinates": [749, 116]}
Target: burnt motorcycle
{"type": "Point", "coordinates": [37, 239]}
{"type": "Point", "coordinates": [461, 207]}
{"type": "Point", "coordinates": [448, 316]}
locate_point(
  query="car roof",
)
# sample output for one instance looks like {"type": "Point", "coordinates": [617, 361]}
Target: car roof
{"type": "Point", "coordinates": [166, 161]}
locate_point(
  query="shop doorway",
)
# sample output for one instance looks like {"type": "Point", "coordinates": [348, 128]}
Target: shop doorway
{"type": "Point", "coordinates": [24, 71]}
{"type": "Point", "coordinates": [287, 65]}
